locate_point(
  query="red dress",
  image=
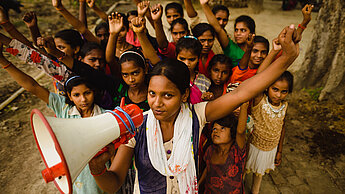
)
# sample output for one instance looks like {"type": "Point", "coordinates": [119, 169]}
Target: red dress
{"type": "Point", "coordinates": [228, 177]}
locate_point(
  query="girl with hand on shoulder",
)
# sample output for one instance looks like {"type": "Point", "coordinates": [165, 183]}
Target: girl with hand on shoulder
{"type": "Point", "coordinates": [171, 125]}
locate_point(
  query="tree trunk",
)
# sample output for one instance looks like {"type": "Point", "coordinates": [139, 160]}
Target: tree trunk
{"type": "Point", "coordinates": [324, 64]}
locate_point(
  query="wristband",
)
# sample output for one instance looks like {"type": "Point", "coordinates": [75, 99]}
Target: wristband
{"type": "Point", "coordinates": [302, 27]}
{"type": "Point", "coordinates": [6, 66]}
{"type": "Point", "coordinates": [99, 174]}
{"type": "Point", "coordinates": [59, 9]}
{"type": "Point", "coordinates": [5, 22]}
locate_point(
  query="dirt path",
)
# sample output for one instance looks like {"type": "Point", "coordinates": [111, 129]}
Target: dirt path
{"type": "Point", "coordinates": [313, 155]}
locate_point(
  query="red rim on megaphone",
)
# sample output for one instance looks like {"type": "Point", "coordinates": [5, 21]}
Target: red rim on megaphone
{"type": "Point", "coordinates": [62, 168]}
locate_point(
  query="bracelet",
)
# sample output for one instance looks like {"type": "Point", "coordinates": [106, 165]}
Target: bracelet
{"type": "Point", "coordinates": [6, 66]}
{"type": "Point", "coordinates": [302, 27]}
{"type": "Point", "coordinates": [59, 9]}
{"type": "Point", "coordinates": [5, 22]}
{"type": "Point", "coordinates": [99, 174]}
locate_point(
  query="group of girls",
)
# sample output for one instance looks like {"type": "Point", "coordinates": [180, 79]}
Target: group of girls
{"type": "Point", "coordinates": [179, 82]}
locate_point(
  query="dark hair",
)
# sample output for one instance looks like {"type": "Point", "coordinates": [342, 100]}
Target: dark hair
{"type": "Point", "coordinates": [189, 43]}
{"type": "Point", "coordinates": [176, 6]}
{"type": "Point", "coordinates": [88, 47]}
{"type": "Point", "coordinates": [74, 81]}
{"type": "Point", "coordinates": [263, 40]}
{"type": "Point", "coordinates": [287, 76]}
{"type": "Point", "coordinates": [249, 22]}
{"type": "Point", "coordinates": [181, 21]}
{"type": "Point", "coordinates": [104, 25]}
{"type": "Point", "coordinates": [218, 7]}
{"type": "Point", "coordinates": [176, 71]}
{"type": "Point", "coordinates": [135, 55]}
{"type": "Point", "coordinates": [71, 37]}
{"type": "Point", "coordinates": [199, 29]}
{"type": "Point", "coordinates": [220, 58]}
{"type": "Point", "coordinates": [229, 121]}
{"type": "Point", "coordinates": [132, 12]}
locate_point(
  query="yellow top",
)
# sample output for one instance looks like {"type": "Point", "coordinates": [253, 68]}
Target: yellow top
{"type": "Point", "coordinates": [268, 124]}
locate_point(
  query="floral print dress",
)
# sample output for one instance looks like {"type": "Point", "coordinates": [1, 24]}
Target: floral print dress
{"type": "Point", "coordinates": [227, 177]}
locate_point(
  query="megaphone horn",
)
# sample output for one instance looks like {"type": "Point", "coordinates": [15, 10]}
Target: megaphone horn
{"type": "Point", "coordinates": [67, 145]}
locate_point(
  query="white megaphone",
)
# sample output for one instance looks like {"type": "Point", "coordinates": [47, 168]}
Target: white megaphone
{"type": "Point", "coordinates": [67, 145]}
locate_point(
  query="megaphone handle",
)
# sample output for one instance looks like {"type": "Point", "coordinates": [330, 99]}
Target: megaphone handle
{"type": "Point", "coordinates": [49, 174]}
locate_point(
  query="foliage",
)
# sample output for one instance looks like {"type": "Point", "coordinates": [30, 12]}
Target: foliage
{"type": "Point", "coordinates": [314, 93]}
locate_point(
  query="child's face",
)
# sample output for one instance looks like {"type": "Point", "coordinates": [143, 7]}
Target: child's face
{"type": "Point", "coordinates": [241, 33]}
{"type": "Point", "coordinates": [130, 21]}
{"type": "Point", "coordinates": [82, 97]}
{"type": "Point", "coordinates": [178, 32]}
{"type": "Point", "coordinates": [220, 73]}
{"type": "Point", "coordinates": [278, 92]}
{"type": "Point", "coordinates": [102, 34]}
{"type": "Point", "coordinates": [222, 18]}
{"type": "Point", "coordinates": [172, 15]}
{"type": "Point", "coordinates": [220, 134]}
{"type": "Point", "coordinates": [95, 58]}
{"type": "Point", "coordinates": [189, 58]}
{"type": "Point", "coordinates": [164, 98]}
{"type": "Point", "coordinates": [122, 34]}
{"type": "Point", "coordinates": [64, 47]}
{"type": "Point", "coordinates": [133, 75]}
{"type": "Point", "coordinates": [206, 40]}
{"type": "Point", "coordinates": [259, 53]}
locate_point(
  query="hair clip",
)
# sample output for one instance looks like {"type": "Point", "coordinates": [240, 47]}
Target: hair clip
{"type": "Point", "coordinates": [190, 37]}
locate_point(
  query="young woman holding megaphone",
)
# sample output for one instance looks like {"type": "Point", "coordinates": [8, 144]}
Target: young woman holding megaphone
{"type": "Point", "coordinates": [165, 146]}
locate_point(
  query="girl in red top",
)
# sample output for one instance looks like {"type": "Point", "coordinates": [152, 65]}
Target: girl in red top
{"type": "Point", "coordinates": [225, 159]}
{"type": "Point", "coordinates": [205, 34]}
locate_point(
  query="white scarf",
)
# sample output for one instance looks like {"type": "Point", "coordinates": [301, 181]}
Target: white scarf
{"type": "Point", "coordinates": [181, 162]}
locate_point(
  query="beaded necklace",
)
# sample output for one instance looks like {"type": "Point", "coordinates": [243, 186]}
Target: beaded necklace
{"type": "Point", "coordinates": [274, 109]}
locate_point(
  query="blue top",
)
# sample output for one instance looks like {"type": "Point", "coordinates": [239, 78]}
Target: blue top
{"type": "Point", "coordinates": [85, 183]}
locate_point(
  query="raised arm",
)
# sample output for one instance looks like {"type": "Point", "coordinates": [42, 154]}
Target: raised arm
{"type": "Point", "coordinates": [82, 12]}
{"type": "Point", "coordinates": [211, 18]}
{"type": "Point", "coordinates": [225, 104]}
{"type": "Point", "coordinates": [97, 10]}
{"type": "Point", "coordinates": [33, 57]}
{"type": "Point", "coordinates": [148, 50]}
{"type": "Point", "coordinates": [306, 11]}
{"type": "Point", "coordinates": [30, 21]}
{"type": "Point", "coordinates": [115, 26]}
{"type": "Point", "coordinates": [78, 25]}
{"type": "Point", "coordinates": [243, 64]}
{"type": "Point", "coordinates": [144, 10]}
{"type": "Point", "coordinates": [24, 80]}
{"type": "Point", "coordinates": [241, 126]}
{"type": "Point", "coordinates": [190, 9]}
{"type": "Point", "coordinates": [271, 55]}
{"type": "Point", "coordinates": [11, 29]}
{"type": "Point", "coordinates": [156, 14]}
